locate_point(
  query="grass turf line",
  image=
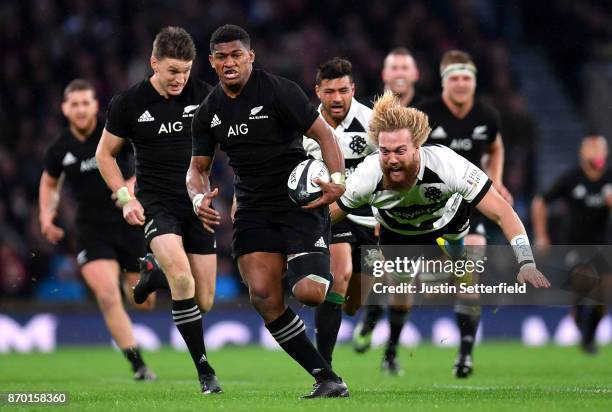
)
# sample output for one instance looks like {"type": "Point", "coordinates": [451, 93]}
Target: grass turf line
{"type": "Point", "coordinates": [507, 376]}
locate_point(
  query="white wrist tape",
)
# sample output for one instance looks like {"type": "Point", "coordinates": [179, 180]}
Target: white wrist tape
{"type": "Point", "coordinates": [197, 200]}
{"type": "Point", "coordinates": [522, 251]}
{"type": "Point", "coordinates": [123, 195]}
{"type": "Point", "coordinates": [338, 178]}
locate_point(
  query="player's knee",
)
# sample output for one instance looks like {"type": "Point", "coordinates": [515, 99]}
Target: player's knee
{"type": "Point", "coordinates": [309, 278]}
{"type": "Point", "coordinates": [310, 292]}
{"type": "Point", "coordinates": [181, 283]}
{"type": "Point", "coordinates": [107, 299]}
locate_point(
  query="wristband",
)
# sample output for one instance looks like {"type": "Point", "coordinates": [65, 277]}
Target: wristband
{"type": "Point", "coordinates": [123, 195]}
{"type": "Point", "coordinates": [197, 200]}
{"type": "Point", "coordinates": [338, 178]}
{"type": "Point", "coordinates": [522, 251]}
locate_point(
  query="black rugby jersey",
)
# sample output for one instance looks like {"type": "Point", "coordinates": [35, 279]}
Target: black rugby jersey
{"type": "Point", "coordinates": [160, 132]}
{"type": "Point", "coordinates": [470, 136]}
{"type": "Point", "coordinates": [77, 159]}
{"type": "Point", "coordinates": [261, 132]}
{"type": "Point", "coordinates": [588, 214]}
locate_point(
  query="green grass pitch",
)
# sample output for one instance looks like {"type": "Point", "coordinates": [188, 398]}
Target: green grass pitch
{"type": "Point", "coordinates": [507, 376]}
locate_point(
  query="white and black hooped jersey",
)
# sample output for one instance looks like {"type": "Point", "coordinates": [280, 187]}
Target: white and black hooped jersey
{"type": "Point", "coordinates": [352, 136]}
{"type": "Point", "coordinates": [445, 182]}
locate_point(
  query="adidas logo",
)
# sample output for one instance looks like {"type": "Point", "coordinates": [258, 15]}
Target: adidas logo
{"type": "Point", "coordinates": [320, 243]}
{"type": "Point", "coordinates": [69, 159]}
{"type": "Point", "coordinates": [215, 121]}
{"type": "Point", "coordinates": [146, 117]}
{"type": "Point", "coordinates": [256, 110]}
{"type": "Point", "coordinates": [438, 133]}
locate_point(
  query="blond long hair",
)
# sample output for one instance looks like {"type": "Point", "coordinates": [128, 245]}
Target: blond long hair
{"type": "Point", "coordinates": [388, 114]}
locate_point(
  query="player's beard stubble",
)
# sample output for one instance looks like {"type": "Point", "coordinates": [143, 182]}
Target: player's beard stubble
{"type": "Point", "coordinates": [401, 175]}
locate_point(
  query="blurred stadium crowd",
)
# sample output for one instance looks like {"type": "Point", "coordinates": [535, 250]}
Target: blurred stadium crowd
{"type": "Point", "coordinates": [46, 43]}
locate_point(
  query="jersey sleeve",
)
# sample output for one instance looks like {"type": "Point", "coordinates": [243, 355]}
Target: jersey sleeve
{"type": "Point", "coordinates": [117, 117]}
{"type": "Point", "coordinates": [360, 185]}
{"type": "Point", "coordinates": [293, 105]}
{"type": "Point", "coordinates": [53, 160]}
{"type": "Point", "coordinates": [559, 190]}
{"type": "Point", "coordinates": [466, 178]}
{"type": "Point", "coordinates": [203, 141]}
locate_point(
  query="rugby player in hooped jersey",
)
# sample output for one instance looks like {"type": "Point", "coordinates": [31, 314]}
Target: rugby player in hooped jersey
{"type": "Point", "coordinates": [259, 119]}
{"type": "Point", "coordinates": [396, 177]}
{"type": "Point", "coordinates": [349, 119]}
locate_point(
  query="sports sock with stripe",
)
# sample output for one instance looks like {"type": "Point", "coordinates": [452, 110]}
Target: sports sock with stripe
{"type": "Point", "coordinates": [188, 321]}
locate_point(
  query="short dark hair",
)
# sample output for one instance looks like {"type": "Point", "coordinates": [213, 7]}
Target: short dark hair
{"type": "Point", "coordinates": [175, 43]}
{"type": "Point", "coordinates": [334, 69]}
{"type": "Point", "coordinates": [228, 33]}
{"type": "Point", "coordinates": [455, 56]}
{"type": "Point", "coordinates": [78, 85]}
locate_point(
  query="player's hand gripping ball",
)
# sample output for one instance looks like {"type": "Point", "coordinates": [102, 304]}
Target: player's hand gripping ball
{"type": "Point", "coordinates": [301, 186]}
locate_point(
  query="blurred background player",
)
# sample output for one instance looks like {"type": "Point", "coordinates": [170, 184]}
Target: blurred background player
{"type": "Point", "coordinates": [155, 115]}
{"type": "Point", "coordinates": [399, 75]}
{"type": "Point", "coordinates": [349, 119]}
{"type": "Point", "coordinates": [259, 119]}
{"type": "Point", "coordinates": [471, 128]}
{"type": "Point", "coordinates": [587, 191]}
{"type": "Point", "coordinates": [107, 244]}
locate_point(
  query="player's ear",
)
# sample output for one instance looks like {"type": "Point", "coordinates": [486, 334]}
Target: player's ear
{"type": "Point", "coordinates": [251, 56]}
{"type": "Point", "coordinates": [65, 108]}
{"type": "Point", "coordinates": [210, 60]}
{"type": "Point", "coordinates": [154, 63]}
{"type": "Point", "coordinates": [317, 90]}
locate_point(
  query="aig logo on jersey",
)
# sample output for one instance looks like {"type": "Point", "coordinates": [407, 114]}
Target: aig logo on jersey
{"type": "Point", "coordinates": [170, 127]}
{"type": "Point", "coordinates": [237, 129]}
{"type": "Point", "coordinates": [461, 144]}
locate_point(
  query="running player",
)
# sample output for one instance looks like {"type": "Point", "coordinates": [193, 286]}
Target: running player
{"type": "Point", "coordinates": [587, 189]}
{"type": "Point", "coordinates": [259, 119]}
{"type": "Point", "coordinates": [349, 119]}
{"type": "Point", "coordinates": [471, 128]}
{"type": "Point", "coordinates": [155, 115]}
{"type": "Point", "coordinates": [399, 75]}
{"type": "Point", "coordinates": [394, 181]}
{"type": "Point", "coordinates": [107, 244]}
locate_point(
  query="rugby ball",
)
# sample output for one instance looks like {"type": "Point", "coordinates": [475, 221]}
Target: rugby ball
{"type": "Point", "coordinates": [301, 187]}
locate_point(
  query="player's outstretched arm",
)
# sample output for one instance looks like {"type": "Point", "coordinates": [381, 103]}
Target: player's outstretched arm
{"type": "Point", "coordinates": [198, 187]}
{"type": "Point", "coordinates": [48, 200]}
{"type": "Point", "coordinates": [499, 211]}
{"type": "Point", "coordinates": [106, 158]}
{"type": "Point", "coordinates": [332, 156]}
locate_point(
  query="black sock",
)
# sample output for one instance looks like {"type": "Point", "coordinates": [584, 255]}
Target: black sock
{"type": "Point", "coordinates": [594, 315]}
{"type": "Point", "coordinates": [133, 356]}
{"type": "Point", "coordinates": [188, 321]}
{"type": "Point", "coordinates": [468, 325]}
{"type": "Point", "coordinates": [396, 324]}
{"type": "Point", "coordinates": [290, 333]}
{"type": "Point", "coordinates": [371, 317]}
{"type": "Point", "coordinates": [328, 317]}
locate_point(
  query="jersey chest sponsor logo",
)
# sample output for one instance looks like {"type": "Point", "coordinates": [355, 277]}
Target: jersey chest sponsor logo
{"type": "Point", "coordinates": [89, 164]}
{"type": "Point", "coordinates": [461, 144]}
{"type": "Point", "coordinates": [238, 129]}
{"type": "Point", "coordinates": [170, 127]}
{"type": "Point", "coordinates": [590, 199]}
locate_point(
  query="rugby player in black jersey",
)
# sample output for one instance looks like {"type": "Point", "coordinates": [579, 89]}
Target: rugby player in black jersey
{"type": "Point", "coordinates": [155, 116]}
{"type": "Point", "coordinates": [399, 75]}
{"type": "Point", "coordinates": [349, 119]}
{"type": "Point", "coordinates": [107, 245]}
{"type": "Point", "coordinates": [471, 128]}
{"type": "Point", "coordinates": [259, 119]}
{"type": "Point", "coordinates": [587, 190]}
